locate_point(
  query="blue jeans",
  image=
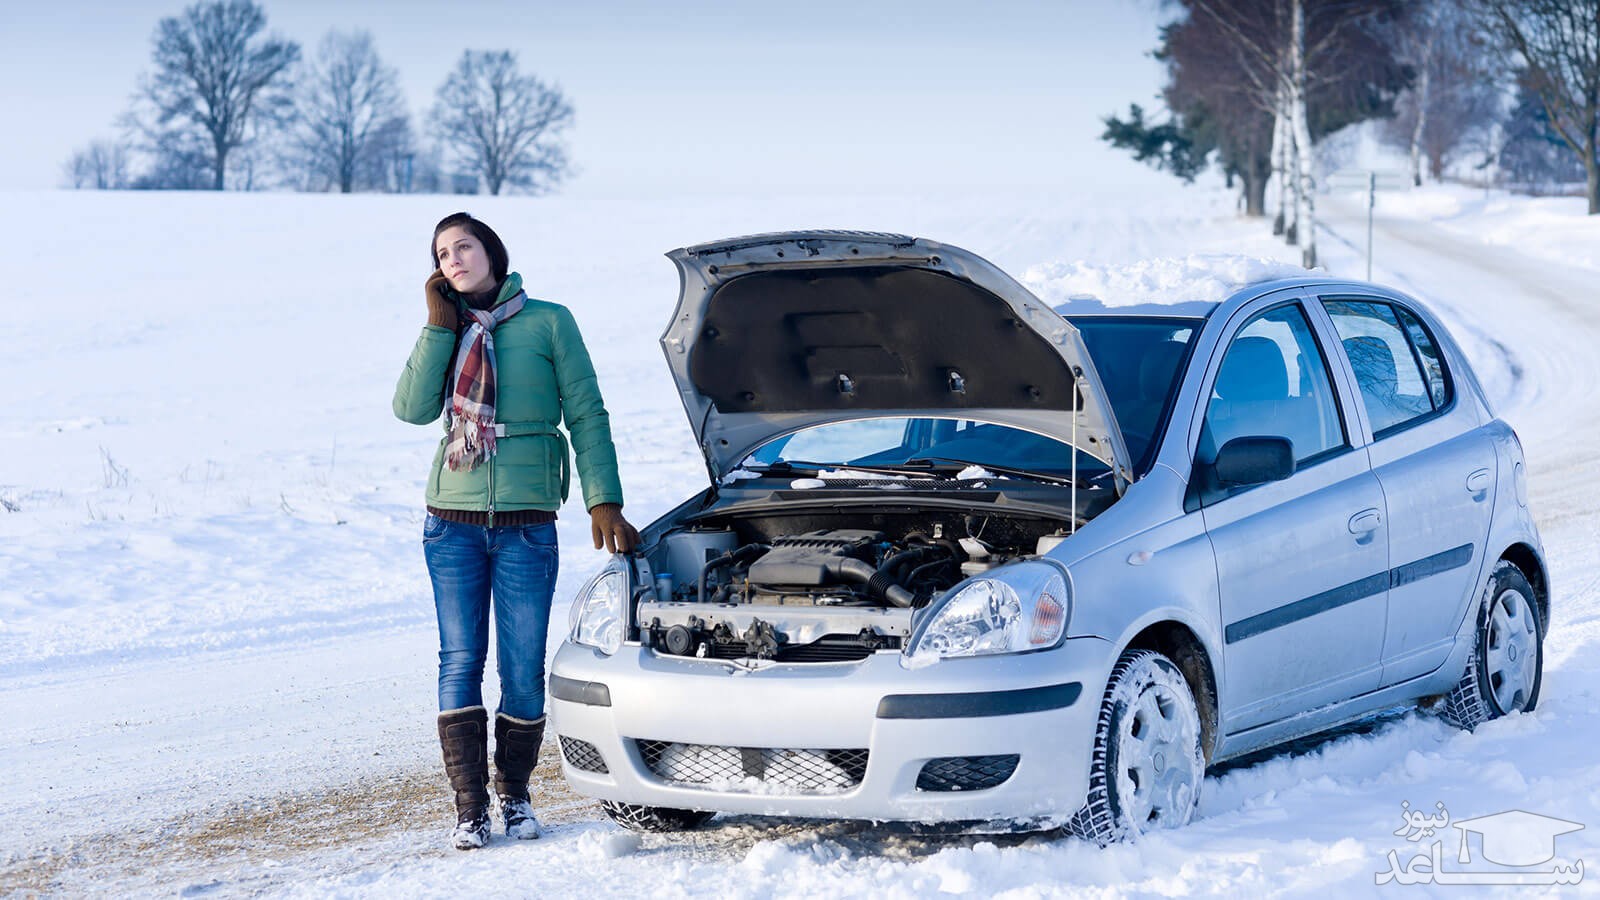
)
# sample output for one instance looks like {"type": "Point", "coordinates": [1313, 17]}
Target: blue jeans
{"type": "Point", "coordinates": [517, 567]}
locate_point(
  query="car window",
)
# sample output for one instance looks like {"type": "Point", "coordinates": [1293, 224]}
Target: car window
{"type": "Point", "coordinates": [1138, 360]}
{"type": "Point", "coordinates": [899, 440]}
{"type": "Point", "coordinates": [1428, 354]}
{"type": "Point", "coordinates": [1393, 384]}
{"type": "Point", "coordinates": [839, 442]}
{"type": "Point", "coordinates": [1274, 382]}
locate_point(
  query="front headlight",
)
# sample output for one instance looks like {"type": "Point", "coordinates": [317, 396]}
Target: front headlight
{"type": "Point", "coordinates": [599, 612]}
{"type": "Point", "coordinates": [1015, 608]}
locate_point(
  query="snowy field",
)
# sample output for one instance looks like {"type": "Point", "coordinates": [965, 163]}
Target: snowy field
{"type": "Point", "coordinates": [216, 636]}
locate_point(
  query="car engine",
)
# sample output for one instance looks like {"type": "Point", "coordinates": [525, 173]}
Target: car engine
{"type": "Point", "coordinates": [757, 590]}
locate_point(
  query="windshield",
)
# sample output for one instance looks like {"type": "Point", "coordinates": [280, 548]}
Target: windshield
{"type": "Point", "coordinates": [924, 443]}
{"type": "Point", "coordinates": [1138, 360]}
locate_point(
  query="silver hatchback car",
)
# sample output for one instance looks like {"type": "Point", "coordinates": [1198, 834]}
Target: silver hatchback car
{"type": "Point", "coordinates": [967, 557]}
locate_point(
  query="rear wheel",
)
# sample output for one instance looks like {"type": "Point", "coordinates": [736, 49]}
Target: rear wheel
{"type": "Point", "coordinates": [1506, 667]}
{"type": "Point", "coordinates": [634, 817]}
{"type": "Point", "coordinates": [1147, 766]}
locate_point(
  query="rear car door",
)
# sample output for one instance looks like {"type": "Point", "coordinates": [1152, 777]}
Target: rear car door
{"type": "Point", "coordinates": [1302, 564]}
{"type": "Point", "coordinates": [1438, 470]}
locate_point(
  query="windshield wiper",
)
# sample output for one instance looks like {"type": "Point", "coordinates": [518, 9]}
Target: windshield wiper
{"type": "Point", "coordinates": [952, 465]}
{"type": "Point", "coordinates": [807, 467]}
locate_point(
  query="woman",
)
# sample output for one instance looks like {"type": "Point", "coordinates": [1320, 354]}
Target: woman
{"type": "Point", "coordinates": [508, 369]}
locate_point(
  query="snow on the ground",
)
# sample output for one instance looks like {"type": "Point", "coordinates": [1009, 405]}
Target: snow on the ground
{"type": "Point", "coordinates": [1196, 278]}
{"type": "Point", "coordinates": [1548, 228]}
{"type": "Point", "coordinates": [213, 603]}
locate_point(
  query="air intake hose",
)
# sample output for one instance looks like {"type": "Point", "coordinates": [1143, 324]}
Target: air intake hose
{"type": "Point", "coordinates": [849, 569]}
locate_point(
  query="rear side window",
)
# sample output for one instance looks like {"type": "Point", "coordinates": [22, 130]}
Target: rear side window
{"type": "Point", "coordinates": [1428, 355]}
{"type": "Point", "coordinates": [1397, 386]}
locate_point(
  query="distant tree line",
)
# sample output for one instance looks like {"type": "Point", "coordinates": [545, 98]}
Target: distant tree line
{"type": "Point", "coordinates": [227, 106]}
{"type": "Point", "coordinates": [1253, 86]}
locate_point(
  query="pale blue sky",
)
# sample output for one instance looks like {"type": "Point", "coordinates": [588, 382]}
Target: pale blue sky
{"type": "Point", "coordinates": [735, 96]}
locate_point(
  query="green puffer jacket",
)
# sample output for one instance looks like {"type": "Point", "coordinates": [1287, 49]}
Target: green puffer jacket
{"type": "Point", "coordinates": [543, 376]}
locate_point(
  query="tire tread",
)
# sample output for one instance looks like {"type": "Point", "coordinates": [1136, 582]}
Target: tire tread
{"type": "Point", "coordinates": [654, 819]}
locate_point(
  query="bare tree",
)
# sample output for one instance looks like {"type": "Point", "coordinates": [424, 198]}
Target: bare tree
{"type": "Point", "coordinates": [1457, 92]}
{"type": "Point", "coordinates": [1292, 50]}
{"type": "Point", "coordinates": [1532, 157]}
{"type": "Point", "coordinates": [103, 165]}
{"type": "Point", "coordinates": [1557, 43]}
{"type": "Point", "coordinates": [394, 163]}
{"type": "Point", "coordinates": [179, 160]}
{"type": "Point", "coordinates": [350, 107]}
{"type": "Point", "coordinates": [217, 77]}
{"type": "Point", "coordinates": [502, 125]}
{"type": "Point", "coordinates": [1215, 96]}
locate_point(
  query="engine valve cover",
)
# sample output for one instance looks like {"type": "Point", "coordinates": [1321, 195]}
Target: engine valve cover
{"type": "Point", "coordinates": [802, 559]}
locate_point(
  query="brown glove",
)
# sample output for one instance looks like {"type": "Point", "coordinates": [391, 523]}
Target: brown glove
{"type": "Point", "coordinates": [608, 526]}
{"type": "Point", "coordinates": [441, 309]}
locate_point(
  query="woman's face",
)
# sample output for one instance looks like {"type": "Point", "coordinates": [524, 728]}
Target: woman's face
{"type": "Point", "coordinates": [463, 260]}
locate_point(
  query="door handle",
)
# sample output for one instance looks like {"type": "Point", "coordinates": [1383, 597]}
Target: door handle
{"type": "Point", "coordinates": [1366, 521]}
{"type": "Point", "coordinates": [1478, 481]}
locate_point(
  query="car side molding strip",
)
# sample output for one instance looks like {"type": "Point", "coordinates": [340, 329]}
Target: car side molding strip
{"type": "Point", "coordinates": [979, 705]}
{"type": "Point", "coordinates": [589, 693]}
{"type": "Point", "coordinates": [1289, 613]}
{"type": "Point", "coordinates": [1439, 562]}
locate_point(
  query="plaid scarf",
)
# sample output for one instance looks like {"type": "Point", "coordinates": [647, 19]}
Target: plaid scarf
{"type": "Point", "coordinates": [470, 407]}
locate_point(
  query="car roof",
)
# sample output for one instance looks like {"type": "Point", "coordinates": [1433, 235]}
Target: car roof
{"type": "Point", "coordinates": [1088, 306]}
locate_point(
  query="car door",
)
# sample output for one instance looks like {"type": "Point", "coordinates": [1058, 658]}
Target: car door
{"type": "Point", "coordinates": [1438, 472]}
{"type": "Point", "coordinates": [1302, 563]}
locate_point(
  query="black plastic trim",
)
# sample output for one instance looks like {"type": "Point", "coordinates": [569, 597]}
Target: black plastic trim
{"type": "Point", "coordinates": [979, 705]}
{"type": "Point", "coordinates": [1305, 609]}
{"type": "Point", "coordinates": [1289, 613]}
{"type": "Point", "coordinates": [589, 693]}
{"type": "Point", "coordinates": [1454, 558]}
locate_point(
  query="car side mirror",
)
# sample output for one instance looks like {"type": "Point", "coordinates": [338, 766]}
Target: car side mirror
{"type": "Point", "coordinates": [1254, 460]}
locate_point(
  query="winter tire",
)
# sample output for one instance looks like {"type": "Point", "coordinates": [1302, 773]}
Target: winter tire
{"type": "Point", "coordinates": [1506, 667]}
{"type": "Point", "coordinates": [1147, 766]}
{"type": "Point", "coordinates": [634, 817]}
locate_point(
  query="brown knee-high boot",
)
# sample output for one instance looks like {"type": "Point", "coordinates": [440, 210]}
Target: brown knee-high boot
{"type": "Point", "coordinates": [464, 738]}
{"type": "Point", "coordinates": [516, 752]}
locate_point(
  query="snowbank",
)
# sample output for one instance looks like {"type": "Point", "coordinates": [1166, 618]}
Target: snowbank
{"type": "Point", "coordinates": [1185, 285]}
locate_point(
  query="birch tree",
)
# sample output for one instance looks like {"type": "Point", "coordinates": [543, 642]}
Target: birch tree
{"type": "Point", "coordinates": [1305, 191]}
{"type": "Point", "coordinates": [1458, 91]}
{"type": "Point", "coordinates": [1298, 47]}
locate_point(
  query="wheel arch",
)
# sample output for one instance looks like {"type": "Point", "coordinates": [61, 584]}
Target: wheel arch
{"type": "Point", "coordinates": [1527, 559]}
{"type": "Point", "coordinates": [1177, 642]}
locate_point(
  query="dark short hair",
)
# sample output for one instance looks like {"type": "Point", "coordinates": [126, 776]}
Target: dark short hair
{"type": "Point", "coordinates": [499, 260]}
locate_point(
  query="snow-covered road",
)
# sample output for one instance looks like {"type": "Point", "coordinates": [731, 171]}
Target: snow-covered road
{"type": "Point", "coordinates": [215, 664]}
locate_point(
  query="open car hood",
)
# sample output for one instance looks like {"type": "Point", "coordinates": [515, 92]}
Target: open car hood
{"type": "Point", "coordinates": [776, 332]}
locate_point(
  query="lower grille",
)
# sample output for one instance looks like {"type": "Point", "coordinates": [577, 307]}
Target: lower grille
{"type": "Point", "coordinates": [583, 756]}
{"type": "Point", "coordinates": [966, 773]}
{"type": "Point", "coordinates": [755, 769]}
{"type": "Point", "coordinates": [821, 651]}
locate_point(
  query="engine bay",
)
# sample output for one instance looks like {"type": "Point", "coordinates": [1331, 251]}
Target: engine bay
{"type": "Point", "coordinates": [817, 587]}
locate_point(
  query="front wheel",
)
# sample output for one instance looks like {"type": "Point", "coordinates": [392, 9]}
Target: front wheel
{"type": "Point", "coordinates": [635, 817]}
{"type": "Point", "coordinates": [1506, 667]}
{"type": "Point", "coordinates": [1148, 765]}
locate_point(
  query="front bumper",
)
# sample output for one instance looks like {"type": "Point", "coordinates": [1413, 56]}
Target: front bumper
{"type": "Point", "coordinates": [1041, 707]}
